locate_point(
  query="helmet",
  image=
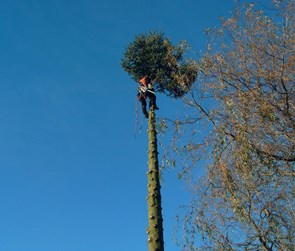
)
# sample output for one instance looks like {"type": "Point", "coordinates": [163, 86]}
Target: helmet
{"type": "Point", "coordinates": [144, 80]}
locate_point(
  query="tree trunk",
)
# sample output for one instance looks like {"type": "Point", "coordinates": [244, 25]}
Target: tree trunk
{"type": "Point", "coordinates": [155, 220]}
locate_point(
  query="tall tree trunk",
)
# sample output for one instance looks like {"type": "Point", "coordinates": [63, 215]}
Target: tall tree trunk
{"type": "Point", "coordinates": [155, 220]}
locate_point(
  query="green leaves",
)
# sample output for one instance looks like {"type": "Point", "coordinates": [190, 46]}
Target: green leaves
{"type": "Point", "coordinates": [153, 55]}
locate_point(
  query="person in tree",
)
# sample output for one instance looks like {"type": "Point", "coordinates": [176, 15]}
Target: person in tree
{"type": "Point", "coordinates": [145, 90]}
{"type": "Point", "coordinates": [142, 98]}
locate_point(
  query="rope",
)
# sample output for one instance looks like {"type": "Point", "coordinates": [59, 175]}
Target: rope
{"type": "Point", "coordinates": [136, 119]}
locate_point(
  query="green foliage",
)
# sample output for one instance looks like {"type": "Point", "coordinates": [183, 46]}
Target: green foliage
{"type": "Point", "coordinates": [153, 55]}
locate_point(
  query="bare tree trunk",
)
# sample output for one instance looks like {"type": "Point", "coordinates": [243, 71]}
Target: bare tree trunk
{"type": "Point", "coordinates": [155, 220]}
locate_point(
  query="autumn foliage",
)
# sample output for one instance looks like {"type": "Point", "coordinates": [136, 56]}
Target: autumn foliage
{"type": "Point", "coordinates": [246, 98]}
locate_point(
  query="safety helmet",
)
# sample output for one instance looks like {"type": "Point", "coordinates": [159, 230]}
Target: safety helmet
{"type": "Point", "coordinates": [144, 80]}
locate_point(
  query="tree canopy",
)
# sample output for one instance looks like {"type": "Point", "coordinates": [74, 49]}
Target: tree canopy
{"type": "Point", "coordinates": [246, 97]}
{"type": "Point", "coordinates": [154, 55]}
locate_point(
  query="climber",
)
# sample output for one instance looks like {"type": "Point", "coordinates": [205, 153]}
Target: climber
{"type": "Point", "coordinates": [145, 89]}
{"type": "Point", "coordinates": [142, 98]}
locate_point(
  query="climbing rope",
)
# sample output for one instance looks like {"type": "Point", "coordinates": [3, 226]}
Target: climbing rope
{"type": "Point", "coordinates": [137, 119]}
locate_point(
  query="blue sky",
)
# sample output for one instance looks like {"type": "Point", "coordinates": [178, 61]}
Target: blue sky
{"type": "Point", "coordinates": [72, 174]}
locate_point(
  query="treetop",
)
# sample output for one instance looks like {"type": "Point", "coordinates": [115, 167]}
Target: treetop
{"type": "Point", "coordinates": [153, 55]}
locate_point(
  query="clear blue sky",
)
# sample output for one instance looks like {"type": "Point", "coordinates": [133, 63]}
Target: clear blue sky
{"type": "Point", "coordinates": [72, 174]}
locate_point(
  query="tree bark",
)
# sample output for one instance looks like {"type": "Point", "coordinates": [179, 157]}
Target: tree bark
{"type": "Point", "coordinates": [155, 220]}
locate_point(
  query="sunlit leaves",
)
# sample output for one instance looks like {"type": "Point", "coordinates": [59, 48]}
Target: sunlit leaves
{"type": "Point", "coordinates": [246, 199]}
